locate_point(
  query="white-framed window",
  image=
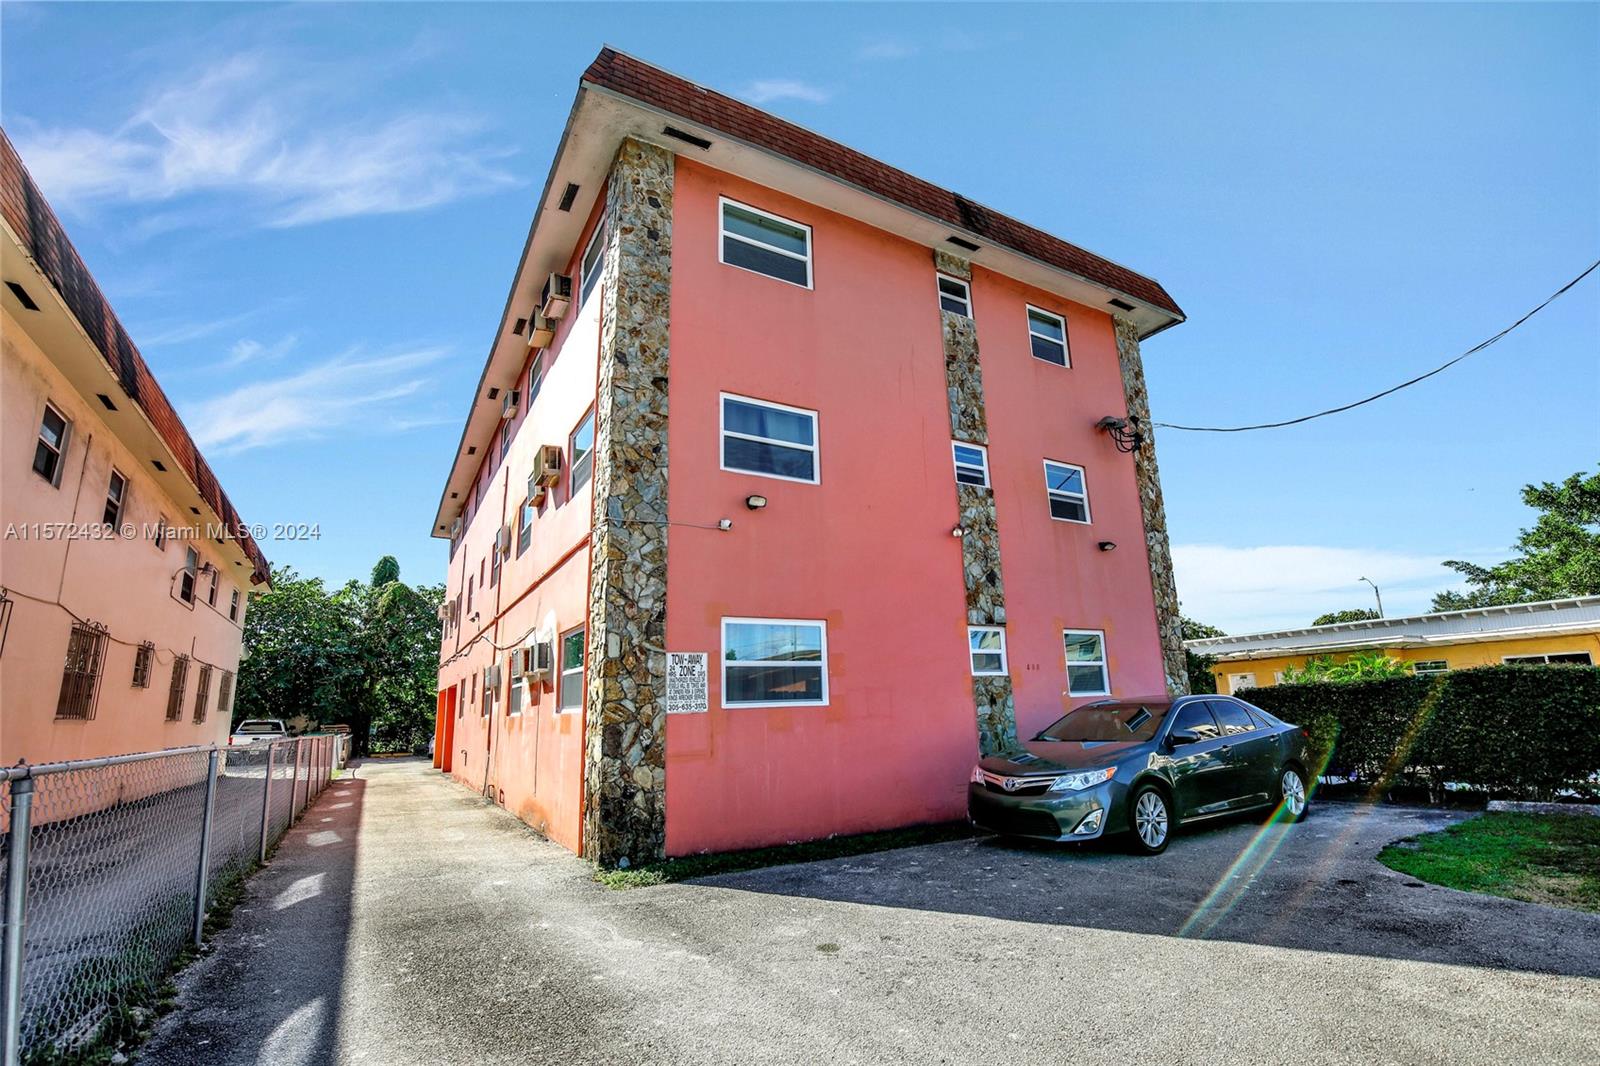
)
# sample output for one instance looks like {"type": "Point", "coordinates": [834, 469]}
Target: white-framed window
{"type": "Point", "coordinates": [514, 694]}
{"type": "Point", "coordinates": [955, 295]}
{"type": "Point", "coordinates": [1423, 667]}
{"type": "Point", "coordinates": [191, 569]}
{"type": "Point", "coordinates": [1240, 682]}
{"type": "Point", "coordinates": [1086, 662]}
{"type": "Point", "coordinates": [233, 606]}
{"type": "Point", "coordinates": [161, 533]}
{"type": "Point", "coordinates": [211, 594]}
{"type": "Point", "coordinates": [774, 662]}
{"type": "Point", "coordinates": [590, 269]}
{"type": "Point", "coordinates": [1564, 658]}
{"type": "Point", "coordinates": [572, 669]}
{"type": "Point", "coordinates": [535, 378]}
{"type": "Point", "coordinates": [49, 454]}
{"type": "Point", "coordinates": [769, 439]}
{"type": "Point", "coordinates": [1068, 491]}
{"type": "Point", "coordinates": [581, 448]}
{"type": "Point", "coordinates": [987, 646]}
{"type": "Point", "coordinates": [524, 525]}
{"type": "Point", "coordinates": [972, 464]}
{"type": "Point", "coordinates": [116, 493]}
{"type": "Point", "coordinates": [759, 241]}
{"type": "Point", "coordinates": [1047, 333]}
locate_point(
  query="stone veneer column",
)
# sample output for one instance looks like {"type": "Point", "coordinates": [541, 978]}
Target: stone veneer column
{"type": "Point", "coordinates": [625, 775]}
{"type": "Point", "coordinates": [994, 705]}
{"type": "Point", "coordinates": [1157, 546]}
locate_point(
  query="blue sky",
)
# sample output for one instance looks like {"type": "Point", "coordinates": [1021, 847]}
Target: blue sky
{"type": "Point", "coordinates": [308, 218]}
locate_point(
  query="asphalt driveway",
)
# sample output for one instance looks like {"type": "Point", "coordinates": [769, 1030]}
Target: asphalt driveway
{"type": "Point", "coordinates": [403, 921]}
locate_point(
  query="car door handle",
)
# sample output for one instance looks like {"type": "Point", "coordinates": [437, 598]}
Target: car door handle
{"type": "Point", "coordinates": [1225, 748]}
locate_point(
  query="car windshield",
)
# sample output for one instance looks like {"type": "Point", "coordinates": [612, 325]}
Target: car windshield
{"type": "Point", "coordinates": [1108, 722]}
{"type": "Point", "coordinates": [259, 727]}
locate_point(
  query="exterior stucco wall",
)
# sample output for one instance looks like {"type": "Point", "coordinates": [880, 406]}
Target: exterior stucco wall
{"type": "Point", "coordinates": [532, 764]}
{"type": "Point", "coordinates": [128, 585]}
{"type": "Point", "coordinates": [1266, 669]}
{"type": "Point", "coordinates": [868, 550]}
{"type": "Point", "coordinates": [1056, 576]}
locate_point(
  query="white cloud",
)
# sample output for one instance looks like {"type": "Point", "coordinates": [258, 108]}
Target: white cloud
{"type": "Point", "coordinates": [314, 402]}
{"type": "Point", "coordinates": [253, 351]}
{"type": "Point", "coordinates": [886, 50]}
{"type": "Point", "coordinates": [766, 90]}
{"type": "Point", "coordinates": [274, 134]}
{"type": "Point", "coordinates": [161, 334]}
{"type": "Point", "coordinates": [1243, 590]}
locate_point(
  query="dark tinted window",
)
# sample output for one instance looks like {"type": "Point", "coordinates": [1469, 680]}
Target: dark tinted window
{"type": "Point", "coordinates": [1108, 722]}
{"type": "Point", "coordinates": [1196, 718]}
{"type": "Point", "coordinates": [1232, 717]}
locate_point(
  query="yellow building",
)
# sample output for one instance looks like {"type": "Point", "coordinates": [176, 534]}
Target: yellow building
{"type": "Point", "coordinates": [1551, 631]}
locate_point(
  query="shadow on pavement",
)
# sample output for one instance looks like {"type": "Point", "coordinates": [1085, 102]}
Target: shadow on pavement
{"type": "Point", "coordinates": [1314, 886]}
{"type": "Point", "coordinates": [269, 987]}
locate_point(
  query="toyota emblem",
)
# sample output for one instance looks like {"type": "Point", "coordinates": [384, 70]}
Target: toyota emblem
{"type": "Point", "coordinates": [1010, 784]}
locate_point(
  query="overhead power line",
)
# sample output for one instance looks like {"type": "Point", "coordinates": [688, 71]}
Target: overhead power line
{"type": "Point", "coordinates": [1403, 385]}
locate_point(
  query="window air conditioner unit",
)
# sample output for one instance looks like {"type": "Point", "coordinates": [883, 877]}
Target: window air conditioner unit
{"type": "Point", "coordinates": [556, 297]}
{"type": "Point", "coordinates": [541, 659]}
{"type": "Point", "coordinates": [444, 611]}
{"type": "Point", "coordinates": [455, 528]}
{"type": "Point", "coordinates": [536, 491]}
{"type": "Point", "coordinates": [491, 677]}
{"type": "Point", "coordinates": [541, 331]}
{"type": "Point", "coordinates": [508, 405]}
{"type": "Point", "coordinates": [547, 466]}
{"type": "Point", "coordinates": [519, 660]}
{"type": "Point", "coordinates": [502, 540]}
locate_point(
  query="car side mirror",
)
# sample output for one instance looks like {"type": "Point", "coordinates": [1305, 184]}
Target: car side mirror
{"type": "Point", "coordinates": [1183, 736]}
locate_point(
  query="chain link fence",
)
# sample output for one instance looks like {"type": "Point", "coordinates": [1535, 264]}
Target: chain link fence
{"type": "Point", "coordinates": [110, 865]}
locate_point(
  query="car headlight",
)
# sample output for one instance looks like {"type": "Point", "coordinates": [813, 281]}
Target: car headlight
{"type": "Point", "coordinates": [1083, 779]}
{"type": "Point", "coordinates": [977, 775]}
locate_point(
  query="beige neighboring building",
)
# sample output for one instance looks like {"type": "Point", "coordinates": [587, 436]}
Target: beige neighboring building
{"type": "Point", "coordinates": [124, 570]}
{"type": "Point", "coordinates": [1550, 631]}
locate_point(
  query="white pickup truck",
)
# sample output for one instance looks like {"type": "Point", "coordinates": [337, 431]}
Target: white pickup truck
{"type": "Point", "coordinates": [253, 729]}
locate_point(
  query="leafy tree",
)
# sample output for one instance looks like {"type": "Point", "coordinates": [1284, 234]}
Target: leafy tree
{"type": "Point", "coordinates": [1356, 614]}
{"type": "Point", "coordinates": [366, 656]}
{"type": "Point", "coordinates": [1362, 666]}
{"type": "Point", "coordinates": [1558, 557]}
{"type": "Point", "coordinates": [1201, 679]}
{"type": "Point", "coordinates": [300, 655]}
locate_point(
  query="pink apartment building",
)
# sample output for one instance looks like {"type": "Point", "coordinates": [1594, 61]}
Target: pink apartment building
{"type": "Point", "coordinates": [792, 482]}
{"type": "Point", "coordinates": [124, 570]}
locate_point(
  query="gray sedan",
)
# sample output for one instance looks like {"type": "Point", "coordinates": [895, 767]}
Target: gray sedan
{"type": "Point", "coordinates": [1142, 767]}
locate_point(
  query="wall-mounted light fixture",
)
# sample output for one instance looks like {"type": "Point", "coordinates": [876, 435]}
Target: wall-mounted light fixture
{"type": "Point", "coordinates": [1125, 432]}
{"type": "Point", "coordinates": [1108, 545]}
{"type": "Point", "coordinates": [755, 503]}
{"type": "Point", "coordinates": [958, 532]}
{"type": "Point", "coordinates": [724, 524]}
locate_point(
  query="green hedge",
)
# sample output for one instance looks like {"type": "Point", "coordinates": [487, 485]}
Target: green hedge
{"type": "Point", "coordinates": [1522, 729]}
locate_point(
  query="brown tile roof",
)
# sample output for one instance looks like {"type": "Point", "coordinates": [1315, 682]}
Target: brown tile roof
{"type": "Point", "coordinates": [630, 77]}
{"type": "Point", "coordinates": [30, 217]}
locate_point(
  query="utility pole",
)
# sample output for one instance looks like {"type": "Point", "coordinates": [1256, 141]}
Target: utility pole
{"type": "Point", "coordinates": [1376, 593]}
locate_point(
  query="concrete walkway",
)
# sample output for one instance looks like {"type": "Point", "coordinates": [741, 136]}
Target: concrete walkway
{"type": "Point", "coordinates": [403, 921]}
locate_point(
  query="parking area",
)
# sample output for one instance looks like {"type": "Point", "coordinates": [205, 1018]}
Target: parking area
{"type": "Point", "coordinates": [1315, 886]}
{"type": "Point", "coordinates": [408, 922]}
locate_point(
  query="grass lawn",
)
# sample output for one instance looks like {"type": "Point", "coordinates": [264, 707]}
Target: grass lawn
{"type": "Point", "coordinates": [1552, 859]}
{"type": "Point", "coordinates": [725, 862]}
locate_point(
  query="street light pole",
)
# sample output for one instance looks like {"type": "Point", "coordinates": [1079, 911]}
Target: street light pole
{"type": "Point", "coordinates": [1376, 593]}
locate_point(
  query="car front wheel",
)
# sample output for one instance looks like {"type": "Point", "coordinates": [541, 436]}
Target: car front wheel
{"type": "Point", "coordinates": [1152, 820]}
{"type": "Point", "coordinates": [1292, 794]}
